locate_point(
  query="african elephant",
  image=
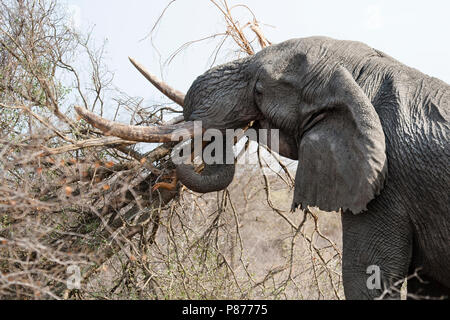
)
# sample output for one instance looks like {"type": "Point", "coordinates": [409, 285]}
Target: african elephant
{"type": "Point", "coordinates": [371, 137]}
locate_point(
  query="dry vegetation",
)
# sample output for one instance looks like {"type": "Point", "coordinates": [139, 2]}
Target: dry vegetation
{"type": "Point", "coordinates": [70, 196]}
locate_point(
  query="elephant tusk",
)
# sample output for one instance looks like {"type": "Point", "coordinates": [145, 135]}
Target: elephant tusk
{"type": "Point", "coordinates": [163, 133]}
{"type": "Point", "coordinates": [173, 94]}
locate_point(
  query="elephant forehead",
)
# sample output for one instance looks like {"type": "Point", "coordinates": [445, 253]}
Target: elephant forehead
{"type": "Point", "coordinates": [214, 87]}
{"type": "Point", "coordinates": [295, 57]}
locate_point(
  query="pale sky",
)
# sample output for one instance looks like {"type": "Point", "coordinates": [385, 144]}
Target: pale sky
{"type": "Point", "coordinates": [414, 32]}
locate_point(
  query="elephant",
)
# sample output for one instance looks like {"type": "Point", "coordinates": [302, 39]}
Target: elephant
{"type": "Point", "coordinates": [371, 138]}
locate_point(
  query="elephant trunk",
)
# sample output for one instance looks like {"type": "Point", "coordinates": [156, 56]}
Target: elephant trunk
{"type": "Point", "coordinates": [214, 177]}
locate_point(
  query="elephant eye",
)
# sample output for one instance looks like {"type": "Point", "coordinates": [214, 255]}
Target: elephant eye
{"type": "Point", "coordinates": [259, 88]}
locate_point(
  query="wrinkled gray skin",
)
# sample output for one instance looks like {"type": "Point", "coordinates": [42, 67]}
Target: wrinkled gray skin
{"type": "Point", "coordinates": [348, 113]}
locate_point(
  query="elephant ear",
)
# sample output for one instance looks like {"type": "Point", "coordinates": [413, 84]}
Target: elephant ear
{"type": "Point", "coordinates": [342, 157]}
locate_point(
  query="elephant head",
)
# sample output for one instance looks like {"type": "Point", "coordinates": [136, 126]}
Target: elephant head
{"type": "Point", "coordinates": [306, 89]}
